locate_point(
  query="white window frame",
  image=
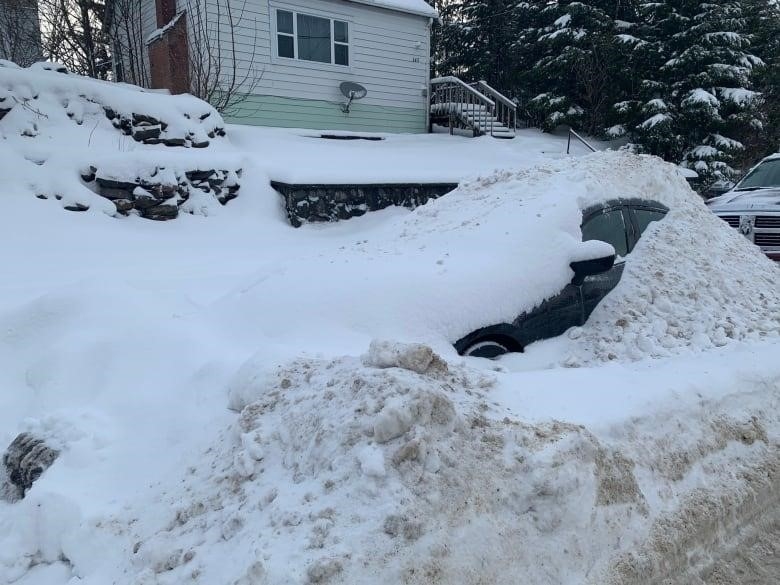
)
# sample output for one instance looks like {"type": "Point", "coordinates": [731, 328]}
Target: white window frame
{"type": "Point", "coordinates": [295, 12]}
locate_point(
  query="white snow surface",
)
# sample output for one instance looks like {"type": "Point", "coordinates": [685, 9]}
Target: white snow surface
{"type": "Point", "coordinates": [418, 7]}
{"type": "Point", "coordinates": [237, 401]}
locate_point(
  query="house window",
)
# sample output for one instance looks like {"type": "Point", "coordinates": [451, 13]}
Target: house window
{"type": "Point", "coordinates": [311, 38]}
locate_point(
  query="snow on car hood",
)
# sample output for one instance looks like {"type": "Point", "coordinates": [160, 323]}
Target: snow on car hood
{"type": "Point", "coordinates": [483, 254]}
{"type": "Point", "coordinates": [761, 199]}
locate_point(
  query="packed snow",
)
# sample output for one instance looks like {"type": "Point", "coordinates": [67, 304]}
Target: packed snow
{"type": "Point", "coordinates": [233, 400]}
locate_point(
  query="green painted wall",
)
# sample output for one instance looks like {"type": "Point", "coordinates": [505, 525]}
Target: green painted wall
{"type": "Point", "coordinates": [265, 110]}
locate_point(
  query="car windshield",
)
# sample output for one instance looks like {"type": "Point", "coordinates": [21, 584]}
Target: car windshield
{"type": "Point", "coordinates": [767, 174]}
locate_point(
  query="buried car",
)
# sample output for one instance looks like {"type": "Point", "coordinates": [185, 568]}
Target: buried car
{"type": "Point", "coordinates": [619, 223]}
{"type": "Point", "coordinates": [753, 206]}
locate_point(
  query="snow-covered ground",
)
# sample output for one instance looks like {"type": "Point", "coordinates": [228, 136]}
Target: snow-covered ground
{"type": "Point", "coordinates": [227, 412]}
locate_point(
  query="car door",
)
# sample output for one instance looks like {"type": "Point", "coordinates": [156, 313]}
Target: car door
{"type": "Point", "coordinates": [609, 223]}
{"type": "Point", "coordinates": [574, 303]}
{"type": "Point", "coordinates": [551, 318]}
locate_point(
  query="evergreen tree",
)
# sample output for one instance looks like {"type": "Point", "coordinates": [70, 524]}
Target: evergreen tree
{"type": "Point", "coordinates": [579, 72]}
{"type": "Point", "coordinates": [763, 21]}
{"type": "Point", "coordinates": [694, 108]}
{"type": "Point", "coordinates": [474, 40]}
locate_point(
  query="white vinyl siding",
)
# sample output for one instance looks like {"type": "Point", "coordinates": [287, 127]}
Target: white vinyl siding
{"type": "Point", "coordinates": [388, 53]}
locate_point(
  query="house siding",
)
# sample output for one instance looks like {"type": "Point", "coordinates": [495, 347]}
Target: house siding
{"type": "Point", "coordinates": [285, 112]}
{"type": "Point", "coordinates": [389, 56]}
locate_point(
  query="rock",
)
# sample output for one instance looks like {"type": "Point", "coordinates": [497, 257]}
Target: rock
{"type": "Point", "coordinates": [153, 140]}
{"type": "Point", "coordinates": [42, 196]}
{"type": "Point", "coordinates": [112, 184]}
{"type": "Point", "coordinates": [160, 212]}
{"type": "Point", "coordinates": [143, 119]}
{"type": "Point", "coordinates": [125, 125]}
{"type": "Point", "coordinates": [114, 194]}
{"type": "Point", "coordinates": [143, 199]}
{"type": "Point", "coordinates": [225, 197]}
{"type": "Point", "coordinates": [110, 113]}
{"type": "Point", "coordinates": [143, 133]}
{"type": "Point", "coordinates": [77, 207]}
{"type": "Point", "coordinates": [26, 458]}
{"type": "Point", "coordinates": [202, 144]}
{"type": "Point", "coordinates": [174, 142]}
{"type": "Point", "coordinates": [88, 174]}
{"type": "Point", "coordinates": [124, 205]}
{"type": "Point", "coordinates": [199, 175]}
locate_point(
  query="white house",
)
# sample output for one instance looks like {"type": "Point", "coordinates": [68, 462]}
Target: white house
{"type": "Point", "coordinates": [20, 33]}
{"type": "Point", "coordinates": [282, 62]}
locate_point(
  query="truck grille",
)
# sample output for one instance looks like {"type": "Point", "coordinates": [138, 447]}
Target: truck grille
{"type": "Point", "coordinates": [766, 239]}
{"type": "Point", "coordinates": [732, 220]}
{"type": "Point", "coordinates": [768, 221]}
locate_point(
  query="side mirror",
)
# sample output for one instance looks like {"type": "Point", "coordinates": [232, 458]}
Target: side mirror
{"type": "Point", "coordinates": [583, 268]}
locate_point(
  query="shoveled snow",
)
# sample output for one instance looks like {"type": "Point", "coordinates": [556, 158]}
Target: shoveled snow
{"type": "Point", "coordinates": [240, 402]}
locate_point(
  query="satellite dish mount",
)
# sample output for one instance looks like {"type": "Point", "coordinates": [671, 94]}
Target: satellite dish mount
{"type": "Point", "coordinates": [351, 91]}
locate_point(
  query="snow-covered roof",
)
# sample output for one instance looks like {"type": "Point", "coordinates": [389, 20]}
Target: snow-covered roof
{"type": "Point", "coordinates": [418, 7]}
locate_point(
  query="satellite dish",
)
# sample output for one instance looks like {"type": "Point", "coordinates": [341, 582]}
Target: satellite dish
{"type": "Point", "coordinates": [351, 91]}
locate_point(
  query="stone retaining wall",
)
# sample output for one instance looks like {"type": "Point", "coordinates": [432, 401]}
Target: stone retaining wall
{"type": "Point", "coordinates": [161, 195]}
{"type": "Point", "coordinates": [318, 203]}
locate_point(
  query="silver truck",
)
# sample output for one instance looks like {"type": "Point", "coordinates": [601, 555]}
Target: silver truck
{"type": "Point", "coordinates": [753, 206]}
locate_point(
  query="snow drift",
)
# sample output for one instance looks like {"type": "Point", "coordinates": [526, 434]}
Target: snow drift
{"type": "Point", "coordinates": [223, 411]}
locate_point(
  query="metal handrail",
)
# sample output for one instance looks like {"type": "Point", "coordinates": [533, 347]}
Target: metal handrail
{"type": "Point", "coordinates": [464, 85]}
{"type": "Point", "coordinates": [506, 110]}
{"type": "Point", "coordinates": [462, 103]}
{"type": "Point", "coordinates": [580, 138]}
{"type": "Point", "coordinates": [496, 94]}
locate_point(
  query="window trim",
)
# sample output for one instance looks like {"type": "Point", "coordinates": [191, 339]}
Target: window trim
{"type": "Point", "coordinates": [332, 18]}
{"type": "Point", "coordinates": [642, 206]}
{"type": "Point", "coordinates": [628, 226]}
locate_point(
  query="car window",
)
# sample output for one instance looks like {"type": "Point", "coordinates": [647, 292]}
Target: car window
{"type": "Point", "coordinates": [766, 174]}
{"type": "Point", "coordinates": [645, 217]}
{"type": "Point", "coordinates": [607, 226]}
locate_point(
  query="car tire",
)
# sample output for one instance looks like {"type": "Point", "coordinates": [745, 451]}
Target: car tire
{"type": "Point", "coordinates": [486, 348]}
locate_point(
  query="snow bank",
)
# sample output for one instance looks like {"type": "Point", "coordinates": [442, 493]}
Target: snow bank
{"type": "Point", "coordinates": [344, 459]}
{"type": "Point", "coordinates": [184, 115]}
{"type": "Point", "coordinates": [339, 471]}
{"type": "Point", "coordinates": [500, 244]}
{"type": "Point", "coordinates": [58, 129]}
{"type": "Point", "coordinates": [714, 293]}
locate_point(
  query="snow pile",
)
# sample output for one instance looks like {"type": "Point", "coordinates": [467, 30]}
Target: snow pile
{"type": "Point", "coordinates": [388, 471]}
{"type": "Point", "coordinates": [123, 344]}
{"type": "Point", "coordinates": [500, 244]}
{"type": "Point", "coordinates": [37, 89]}
{"type": "Point", "coordinates": [692, 283]}
{"type": "Point", "coordinates": [57, 130]}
